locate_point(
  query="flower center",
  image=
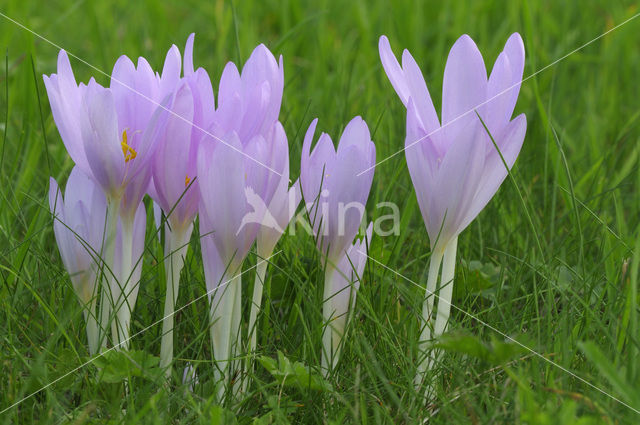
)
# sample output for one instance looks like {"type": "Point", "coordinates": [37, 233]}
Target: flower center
{"type": "Point", "coordinates": [187, 179]}
{"type": "Point", "coordinates": [128, 152]}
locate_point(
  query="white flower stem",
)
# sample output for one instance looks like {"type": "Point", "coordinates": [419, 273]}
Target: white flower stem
{"type": "Point", "coordinates": [125, 287]}
{"type": "Point", "coordinates": [446, 287]}
{"type": "Point", "coordinates": [93, 333]}
{"type": "Point", "coordinates": [235, 345]}
{"type": "Point", "coordinates": [222, 306]}
{"type": "Point", "coordinates": [427, 309]}
{"type": "Point", "coordinates": [256, 302]}
{"type": "Point", "coordinates": [175, 250]}
{"type": "Point", "coordinates": [108, 256]}
{"type": "Point", "coordinates": [328, 354]}
{"type": "Point", "coordinates": [447, 257]}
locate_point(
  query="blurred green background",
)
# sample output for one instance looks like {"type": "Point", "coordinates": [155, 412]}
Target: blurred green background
{"type": "Point", "coordinates": [552, 261]}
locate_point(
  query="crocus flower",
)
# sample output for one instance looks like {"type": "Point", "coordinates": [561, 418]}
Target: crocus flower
{"type": "Point", "coordinates": [110, 134]}
{"type": "Point", "coordinates": [97, 125]}
{"type": "Point", "coordinates": [247, 116]}
{"type": "Point", "coordinates": [249, 104]}
{"type": "Point", "coordinates": [79, 227]}
{"type": "Point", "coordinates": [336, 185]}
{"type": "Point", "coordinates": [223, 171]}
{"type": "Point", "coordinates": [277, 209]}
{"type": "Point", "coordinates": [79, 221]}
{"type": "Point", "coordinates": [454, 165]}
{"type": "Point", "coordinates": [174, 178]}
{"type": "Point", "coordinates": [346, 283]}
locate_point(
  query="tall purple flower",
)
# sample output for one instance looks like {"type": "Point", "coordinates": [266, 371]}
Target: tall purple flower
{"type": "Point", "coordinates": [174, 172]}
{"type": "Point", "coordinates": [240, 173]}
{"type": "Point", "coordinates": [335, 185]}
{"type": "Point", "coordinates": [454, 165]}
{"type": "Point", "coordinates": [111, 134]}
{"type": "Point", "coordinates": [79, 221]}
{"type": "Point", "coordinates": [236, 185]}
{"type": "Point", "coordinates": [79, 227]}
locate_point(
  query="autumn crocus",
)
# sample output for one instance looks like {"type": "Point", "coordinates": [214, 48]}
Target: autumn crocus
{"type": "Point", "coordinates": [457, 163]}
{"type": "Point", "coordinates": [276, 208]}
{"type": "Point", "coordinates": [174, 179]}
{"type": "Point", "coordinates": [79, 222]}
{"type": "Point", "coordinates": [110, 134]}
{"type": "Point", "coordinates": [335, 185]}
{"type": "Point", "coordinates": [249, 103]}
{"type": "Point", "coordinates": [79, 226]}
{"type": "Point", "coordinates": [246, 121]}
{"type": "Point", "coordinates": [226, 180]}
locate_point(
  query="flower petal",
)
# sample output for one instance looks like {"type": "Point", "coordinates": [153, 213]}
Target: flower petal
{"type": "Point", "coordinates": [394, 72]}
{"type": "Point", "coordinates": [101, 139]}
{"type": "Point", "coordinates": [464, 86]}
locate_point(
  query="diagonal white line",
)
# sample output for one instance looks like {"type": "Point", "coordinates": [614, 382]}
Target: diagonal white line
{"type": "Point", "coordinates": [135, 335]}
{"type": "Point", "coordinates": [138, 93]}
{"type": "Point", "coordinates": [482, 322]}
{"type": "Point", "coordinates": [535, 353]}
{"type": "Point", "coordinates": [503, 92]}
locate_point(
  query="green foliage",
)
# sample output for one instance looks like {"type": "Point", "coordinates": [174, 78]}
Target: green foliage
{"type": "Point", "coordinates": [296, 374]}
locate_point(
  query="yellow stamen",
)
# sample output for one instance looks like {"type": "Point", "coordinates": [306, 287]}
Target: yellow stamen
{"type": "Point", "coordinates": [187, 179]}
{"type": "Point", "coordinates": [128, 151]}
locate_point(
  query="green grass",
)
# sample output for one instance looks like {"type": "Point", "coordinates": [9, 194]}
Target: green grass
{"type": "Point", "coordinates": [555, 267]}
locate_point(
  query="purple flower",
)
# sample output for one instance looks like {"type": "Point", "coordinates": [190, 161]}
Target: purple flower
{"type": "Point", "coordinates": [453, 163]}
{"type": "Point", "coordinates": [79, 230]}
{"type": "Point", "coordinates": [79, 227]}
{"type": "Point", "coordinates": [249, 104]}
{"type": "Point", "coordinates": [110, 132]}
{"type": "Point", "coordinates": [175, 161]}
{"type": "Point", "coordinates": [334, 186]}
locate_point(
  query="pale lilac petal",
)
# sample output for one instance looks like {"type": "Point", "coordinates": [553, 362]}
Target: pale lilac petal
{"type": "Point", "coordinates": [170, 163]}
{"type": "Point", "coordinates": [496, 113]}
{"type": "Point", "coordinates": [101, 139]}
{"type": "Point", "coordinates": [188, 55]}
{"type": "Point", "coordinates": [464, 86]}
{"type": "Point", "coordinates": [171, 71]}
{"type": "Point", "coordinates": [420, 94]}
{"type": "Point", "coordinates": [356, 133]}
{"type": "Point", "coordinates": [348, 195]}
{"type": "Point", "coordinates": [393, 70]}
{"type": "Point", "coordinates": [221, 183]}
{"type": "Point", "coordinates": [456, 184]}
{"type": "Point", "coordinates": [123, 86]}
{"type": "Point", "coordinates": [422, 176]}
{"type": "Point", "coordinates": [495, 172]}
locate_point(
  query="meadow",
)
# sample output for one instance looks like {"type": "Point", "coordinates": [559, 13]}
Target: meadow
{"type": "Point", "coordinates": [546, 326]}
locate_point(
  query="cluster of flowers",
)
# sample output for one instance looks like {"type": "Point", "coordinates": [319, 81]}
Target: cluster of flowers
{"type": "Point", "coordinates": [227, 161]}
